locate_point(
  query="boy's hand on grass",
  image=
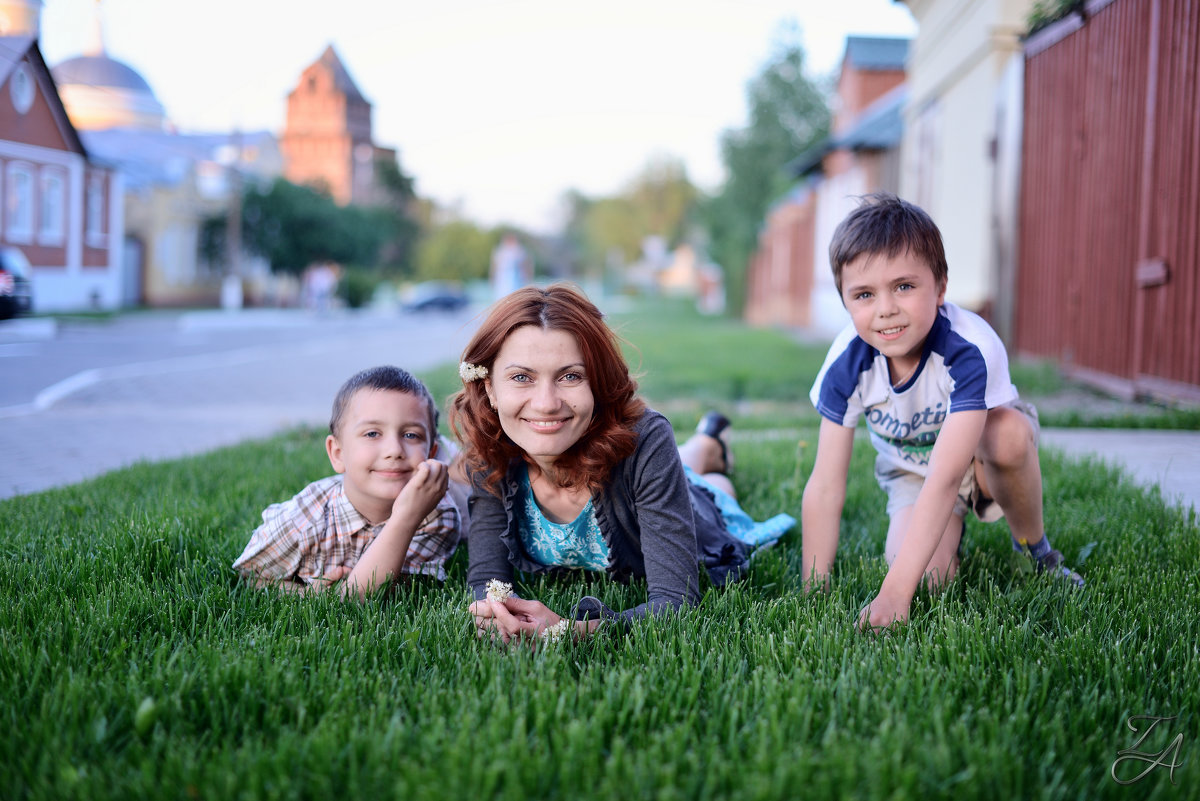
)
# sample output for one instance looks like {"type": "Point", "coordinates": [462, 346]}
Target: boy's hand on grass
{"type": "Point", "coordinates": [881, 612]}
{"type": "Point", "coordinates": [328, 579]}
{"type": "Point", "coordinates": [421, 494]}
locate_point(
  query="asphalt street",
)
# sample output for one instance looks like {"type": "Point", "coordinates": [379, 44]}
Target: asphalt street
{"type": "Point", "coordinates": [79, 400]}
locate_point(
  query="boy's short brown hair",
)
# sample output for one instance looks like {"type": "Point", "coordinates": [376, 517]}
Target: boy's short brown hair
{"type": "Point", "coordinates": [385, 377]}
{"type": "Point", "coordinates": [883, 224]}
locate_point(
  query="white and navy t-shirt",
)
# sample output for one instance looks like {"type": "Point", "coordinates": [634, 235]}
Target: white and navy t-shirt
{"type": "Point", "coordinates": [964, 367]}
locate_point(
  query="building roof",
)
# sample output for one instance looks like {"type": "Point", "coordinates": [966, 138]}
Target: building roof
{"type": "Point", "coordinates": [14, 49]}
{"type": "Point", "coordinates": [879, 127]}
{"type": "Point", "coordinates": [341, 76]}
{"type": "Point", "coordinates": [162, 158]}
{"type": "Point", "coordinates": [876, 52]}
{"type": "Point", "coordinates": [100, 71]}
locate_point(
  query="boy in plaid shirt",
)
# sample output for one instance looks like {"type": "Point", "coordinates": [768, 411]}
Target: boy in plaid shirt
{"type": "Point", "coordinates": [387, 511]}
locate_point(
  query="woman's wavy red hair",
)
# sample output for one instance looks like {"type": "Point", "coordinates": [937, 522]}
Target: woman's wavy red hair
{"type": "Point", "coordinates": [609, 438]}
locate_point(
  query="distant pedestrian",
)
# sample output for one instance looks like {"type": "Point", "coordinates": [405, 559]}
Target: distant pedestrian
{"type": "Point", "coordinates": [386, 513]}
{"type": "Point", "coordinates": [320, 284]}
{"type": "Point", "coordinates": [511, 267]}
{"type": "Point", "coordinates": [931, 380]}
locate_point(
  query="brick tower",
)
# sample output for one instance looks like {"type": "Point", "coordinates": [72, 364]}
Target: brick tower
{"type": "Point", "coordinates": [326, 140]}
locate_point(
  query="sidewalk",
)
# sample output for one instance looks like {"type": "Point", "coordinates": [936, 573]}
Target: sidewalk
{"type": "Point", "coordinates": [1170, 459]}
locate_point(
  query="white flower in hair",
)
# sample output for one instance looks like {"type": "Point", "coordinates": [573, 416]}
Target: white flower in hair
{"type": "Point", "coordinates": [469, 372]}
{"type": "Point", "coordinates": [498, 590]}
{"type": "Point", "coordinates": [557, 631]}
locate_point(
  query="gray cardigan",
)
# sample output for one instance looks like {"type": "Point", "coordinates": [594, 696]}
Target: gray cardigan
{"type": "Point", "coordinates": [644, 512]}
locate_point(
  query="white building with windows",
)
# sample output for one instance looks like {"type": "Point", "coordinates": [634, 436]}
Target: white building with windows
{"type": "Point", "coordinates": [60, 207]}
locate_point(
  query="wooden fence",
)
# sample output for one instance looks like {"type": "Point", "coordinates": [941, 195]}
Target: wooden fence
{"type": "Point", "coordinates": [1108, 282]}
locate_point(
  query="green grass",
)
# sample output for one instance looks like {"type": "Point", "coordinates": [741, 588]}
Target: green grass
{"type": "Point", "coordinates": [1005, 686]}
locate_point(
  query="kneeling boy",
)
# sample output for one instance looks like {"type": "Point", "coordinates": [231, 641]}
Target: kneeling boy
{"type": "Point", "coordinates": [931, 380]}
{"type": "Point", "coordinates": [386, 513]}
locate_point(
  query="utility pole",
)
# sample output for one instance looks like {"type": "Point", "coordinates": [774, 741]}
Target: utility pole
{"type": "Point", "coordinates": [231, 289]}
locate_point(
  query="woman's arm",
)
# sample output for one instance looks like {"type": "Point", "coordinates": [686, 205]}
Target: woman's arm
{"type": "Point", "coordinates": [662, 505]}
{"type": "Point", "coordinates": [487, 551]}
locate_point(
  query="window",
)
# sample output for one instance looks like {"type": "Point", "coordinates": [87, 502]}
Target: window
{"type": "Point", "coordinates": [52, 219]}
{"type": "Point", "coordinates": [95, 211]}
{"type": "Point", "coordinates": [20, 203]}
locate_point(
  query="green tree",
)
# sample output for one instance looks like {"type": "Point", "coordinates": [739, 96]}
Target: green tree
{"type": "Point", "coordinates": [663, 199]}
{"type": "Point", "coordinates": [788, 114]}
{"type": "Point", "coordinates": [457, 250]}
{"type": "Point", "coordinates": [660, 200]}
{"type": "Point", "coordinates": [402, 217]}
{"type": "Point", "coordinates": [293, 226]}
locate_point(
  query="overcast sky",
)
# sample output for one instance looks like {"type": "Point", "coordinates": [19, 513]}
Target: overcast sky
{"type": "Point", "coordinates": [494, 106]}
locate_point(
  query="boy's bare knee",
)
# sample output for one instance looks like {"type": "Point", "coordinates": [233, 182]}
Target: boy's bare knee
{"type": "Point", "coordinates": [1007, 439]}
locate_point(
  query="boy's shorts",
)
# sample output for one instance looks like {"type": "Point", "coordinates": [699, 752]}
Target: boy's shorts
{"type": "Point", "coordinates": [902, 487]}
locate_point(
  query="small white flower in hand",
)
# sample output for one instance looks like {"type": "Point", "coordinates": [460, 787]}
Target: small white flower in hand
{"type": "Point", "coordinates": [498, 590]}
{"type": "Point", "coordinates": [557, 631]}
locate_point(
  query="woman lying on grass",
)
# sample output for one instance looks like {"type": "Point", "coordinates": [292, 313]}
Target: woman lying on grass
{"type": "Point", "coordinates": [571, 471]}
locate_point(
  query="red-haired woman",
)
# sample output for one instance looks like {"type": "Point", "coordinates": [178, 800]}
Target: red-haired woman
{"type": "Point", "coordinates": [571, 470]}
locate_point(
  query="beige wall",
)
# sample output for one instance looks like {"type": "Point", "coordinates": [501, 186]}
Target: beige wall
{"type": "Point", "coordinates": [955, 71]}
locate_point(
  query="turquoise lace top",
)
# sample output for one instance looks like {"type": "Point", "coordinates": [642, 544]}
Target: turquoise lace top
{"type": "Point", "coordinates": [575, 544]}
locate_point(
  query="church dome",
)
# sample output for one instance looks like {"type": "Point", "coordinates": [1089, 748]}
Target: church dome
{"type": "Point", "coordinates": [100, 71]}
{"type": "Point", "coordinates": [100, 92]}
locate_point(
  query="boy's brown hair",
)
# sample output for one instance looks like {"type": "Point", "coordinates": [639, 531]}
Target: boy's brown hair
{"type": "Point", "coordinates": [885, 225]}
{"type": "Point", "coordinates": [385, 377]}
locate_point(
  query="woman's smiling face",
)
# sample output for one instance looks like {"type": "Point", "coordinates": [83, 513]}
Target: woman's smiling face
{"type": "Point", "coordinates": [539, 387]}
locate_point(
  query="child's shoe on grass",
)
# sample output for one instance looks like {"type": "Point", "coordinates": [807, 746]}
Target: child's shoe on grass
{"type": "Point", "coordinates": [1047, 559]}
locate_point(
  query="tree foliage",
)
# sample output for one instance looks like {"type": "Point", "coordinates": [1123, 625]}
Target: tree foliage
{"type": "Point", "coordinates": [457, 250]}
{"type": "Point", "coordinates": [788, 114]}
{"type": "Point", "coordinates": [404, 212]}
{"type": "Point", "coordinates": [293, 226]}
{"type": "Point", "coordinates": [660, 201]}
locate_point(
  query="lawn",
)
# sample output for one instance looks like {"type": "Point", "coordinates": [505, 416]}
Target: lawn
{"type": "Point", "coordinates": [135, 665]}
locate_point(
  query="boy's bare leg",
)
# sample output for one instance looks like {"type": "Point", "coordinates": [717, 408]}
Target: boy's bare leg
{"type": "Point", "coordinates": [702, 453]}
{"type": "Point", "coordinates": [1007, 470]}
{"type": "Point", "coordinates": [944, 562]}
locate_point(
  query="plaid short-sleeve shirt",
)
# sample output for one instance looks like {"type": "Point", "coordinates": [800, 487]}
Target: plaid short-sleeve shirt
{"type": "Point", "coordinates": [319, 529]}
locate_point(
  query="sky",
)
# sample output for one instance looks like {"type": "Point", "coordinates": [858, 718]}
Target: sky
{"type": "Point", "coordinates": [496, 107]}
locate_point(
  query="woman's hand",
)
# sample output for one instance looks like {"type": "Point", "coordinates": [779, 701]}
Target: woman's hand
{"type": "Point", "coordinates": [513, 619]}
{"type": "Point", "coordinates": [520, 619]}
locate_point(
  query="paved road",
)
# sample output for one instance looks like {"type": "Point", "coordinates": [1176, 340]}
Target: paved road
{"type": "Point", "coordinates": [206, 380]}
{"type": "Point", "coordinates": [78, 402]}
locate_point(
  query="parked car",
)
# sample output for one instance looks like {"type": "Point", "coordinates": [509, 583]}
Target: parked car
{"type": "Point", "coordinates": [435, 296]}
{"type": "Point", "coordinates": [16, 286]}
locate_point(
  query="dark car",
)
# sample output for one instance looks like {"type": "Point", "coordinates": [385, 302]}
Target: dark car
{"type": "Point", "coordinates": [435, 296]}
{"type": "Point", "coordinates": [16, 291]}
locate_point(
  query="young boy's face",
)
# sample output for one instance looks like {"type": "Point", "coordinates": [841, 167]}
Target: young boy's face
{"type": "Point", "coordinates": [893, 303]}
{"type": "Point", "coordinates": [383, 437]}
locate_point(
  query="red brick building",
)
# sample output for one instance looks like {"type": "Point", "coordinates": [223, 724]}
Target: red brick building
{"type": "Point", "coordinates": [789, 279]}
{"type": "Point", "coordinates": [326, 139]}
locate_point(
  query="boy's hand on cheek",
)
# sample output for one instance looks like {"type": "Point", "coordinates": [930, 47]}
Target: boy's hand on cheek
{"type": "Point", "coordinates": [421, 494]}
